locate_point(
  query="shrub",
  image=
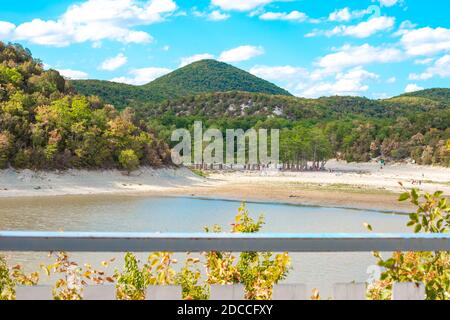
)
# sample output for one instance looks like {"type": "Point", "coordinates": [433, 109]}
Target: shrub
{"type": "Point", "coordinates": [258, 272]}
{"type": "Point", "coordinates": [129, 160]}
{"type": "Point", "coordinates": [430, 268]}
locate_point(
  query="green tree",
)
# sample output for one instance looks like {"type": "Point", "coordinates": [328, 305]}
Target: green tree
{"type": "Point", "coordinates": [129, 160]}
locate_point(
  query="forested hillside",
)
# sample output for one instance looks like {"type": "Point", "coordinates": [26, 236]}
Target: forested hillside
{"type": "Point", "coordinates": [199, 77]}
{"type": "Point", "coordinates": [436, 94]}
{"type": "Point", "coordinates": [351, 128]}
{"type": "Point", "coordinates": [45, 125]}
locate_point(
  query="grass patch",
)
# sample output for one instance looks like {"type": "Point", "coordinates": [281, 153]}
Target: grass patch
{"type": "Point", "coordinates": [200, 173]}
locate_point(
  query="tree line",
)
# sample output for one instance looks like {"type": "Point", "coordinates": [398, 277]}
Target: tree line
{"type": "Point", "coordinates": [44, 124]}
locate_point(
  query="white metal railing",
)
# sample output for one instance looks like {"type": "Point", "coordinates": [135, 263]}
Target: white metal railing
{"type": "Point", "coordinates": [199, 242]}
{"type": "Point", "coordinates": [183, 242]}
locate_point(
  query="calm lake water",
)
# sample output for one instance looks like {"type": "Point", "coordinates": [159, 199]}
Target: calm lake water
{"type": "Point", "coordinates": [139, 214]}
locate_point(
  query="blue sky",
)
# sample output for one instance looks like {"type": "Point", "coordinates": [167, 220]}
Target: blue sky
{"type": "Point", "coordinates": [373, 48]}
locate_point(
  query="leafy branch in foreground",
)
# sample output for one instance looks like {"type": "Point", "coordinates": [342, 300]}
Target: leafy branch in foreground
{"type": "Point", "coordinates": [133, 281]}
{"type": "Point", "coordinates": [430, 268]}
{"type": "Point", "coordinates": [258, 272]}
{"type": "Point", "coordinates": [72, 278]}
{"type": "Point", "coordinates": [10, 278]}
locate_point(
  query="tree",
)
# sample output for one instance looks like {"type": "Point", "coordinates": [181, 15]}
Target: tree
{"type": "Point", "coordinates": [129, 160]}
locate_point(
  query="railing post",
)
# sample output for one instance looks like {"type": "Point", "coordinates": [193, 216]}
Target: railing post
{"type": "Point", "coordinates": [289, 292]}
{"type": "Point", "coordinates": [408, 291]}
{"type": "Point", "coordinates": [39, 293]}
{"type": "Point", "coordinates": [99, 292]}
{"type": "Point", "coordinates": [349, 291]}
{"type": "Point", "coordinates": [164, 293]}
{"type": "Point", "coordinates": [227, 292]}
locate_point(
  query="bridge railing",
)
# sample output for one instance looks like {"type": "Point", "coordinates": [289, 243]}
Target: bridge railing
{"type": "Point", "coordinates": [236, 242]}
{"type": "Point", "coordinates": [192, 242]}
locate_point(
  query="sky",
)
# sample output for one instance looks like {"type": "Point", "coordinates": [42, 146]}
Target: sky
{"type": "Point", "coordinates": [313, 48]}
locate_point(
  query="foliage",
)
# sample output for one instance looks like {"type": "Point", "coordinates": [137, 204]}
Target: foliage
{"type": "Point", "coordinates": [189, 278]}
{"type": "Point", "coordinates": [10, 278]}
{"type": "Point", "coordinates": [6, 282]}
{"type": "Point", "coordinates": [300, 145]}
{"type": "Point", "coordinates": [437, 94]}
{"type": "Point", "coordinates": [45, 125]}
{"type": "Point", "coordinates": [258, 272]}
{"type": "Point", "coordinates": [72, 278]}
{"type": "Point", "coordinates": [430, 268]}
{"type": "Point", "coordinates": [200, 173]}
{"type": "Point", "coordinates": [133, 281]}
{"type": "Point", "coordinates": [350, 128]}
{"type": "Point", "coordinates": [129, 160]}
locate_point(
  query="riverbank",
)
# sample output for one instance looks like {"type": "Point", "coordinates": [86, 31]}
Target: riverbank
{"type": "Point", "coordinates": [364, 186]}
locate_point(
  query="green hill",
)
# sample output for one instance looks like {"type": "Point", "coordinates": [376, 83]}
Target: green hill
{"type": "Point", "coordinates": [436, 94]}
{"type": "Point", "coordinates": [351, 128]}
{"type": "Point", "coordinates": [199, 77]}
{"type": "Point", "coordinates": [45, 125]}
{"type": "Point", "coordinates": [237, 104]}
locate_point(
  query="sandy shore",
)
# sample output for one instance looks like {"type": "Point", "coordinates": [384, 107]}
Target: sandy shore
{"type": "Point", "coordinates": [345, 185]}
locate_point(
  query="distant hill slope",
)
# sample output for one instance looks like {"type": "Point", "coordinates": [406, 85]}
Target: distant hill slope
{"type": "Point", "coordinates": [436, 94]}
{"type": "Point", "coordinates": [243, 104]}
{"type": "Point", "coordinates": [199, 77]}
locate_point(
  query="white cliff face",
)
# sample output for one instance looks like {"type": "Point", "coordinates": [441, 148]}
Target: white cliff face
{"type": "Point", "coordinates": [278, 111]}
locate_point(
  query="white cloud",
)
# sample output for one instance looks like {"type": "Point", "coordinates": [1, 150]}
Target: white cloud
{"type": "Point", "coordinates": [367, 28]}
{"type": "Point", "coordinates": [241, 53]}
{"type": "Point", "coordinates": [348, 83]}
{"type": "Point", "coordinates": [412, 87]}
{"type": "Point", "coordinates": [53, 33]}
{"type": "Point", "coordinates": [6, 29]}
{"type": "Point", "coordinates": [291, 16]}
{"type": "Point", "coordinates": [216, 15]}
{"type": "Point", "coordinates": [73, 74]}
{"type": "Point", "coordinates": [197, 57]}
{"type": "Point", "coordinates": [348, 56]}
{"type": "Point", "coordinates": [240, 5]}
{"type": "Point", "coordinates": [142, 76]}
{"type": "Point", "coordinates": [441, 68]}
{"type": "Point", "coordinates": [362, 30]}
{"type": "Point", "coordinates": [426, 41]}
{"type": "Point", "coordinates": [96, 20]}
{"type": "Point", "coordinates": [345, 15]}
{"type": "Point", "coordinates": [114, 63]}
{"type": "Point", "coordinates": [405, 27]}
{"type": "Point", "coordinates": [424, 61]}
{"type": "Point", "coordinates": [340, 15]}
{"type": "Point", "coordinates": [314, 84]}
{"type": "Point", "coordinates": [130, 12]}
{"type": "Point", "coordinates": [286, 76]}
{"type": "Point", "coordinates": [388, 3]}
{"type": "Point", "coordinates": [392, 80]}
